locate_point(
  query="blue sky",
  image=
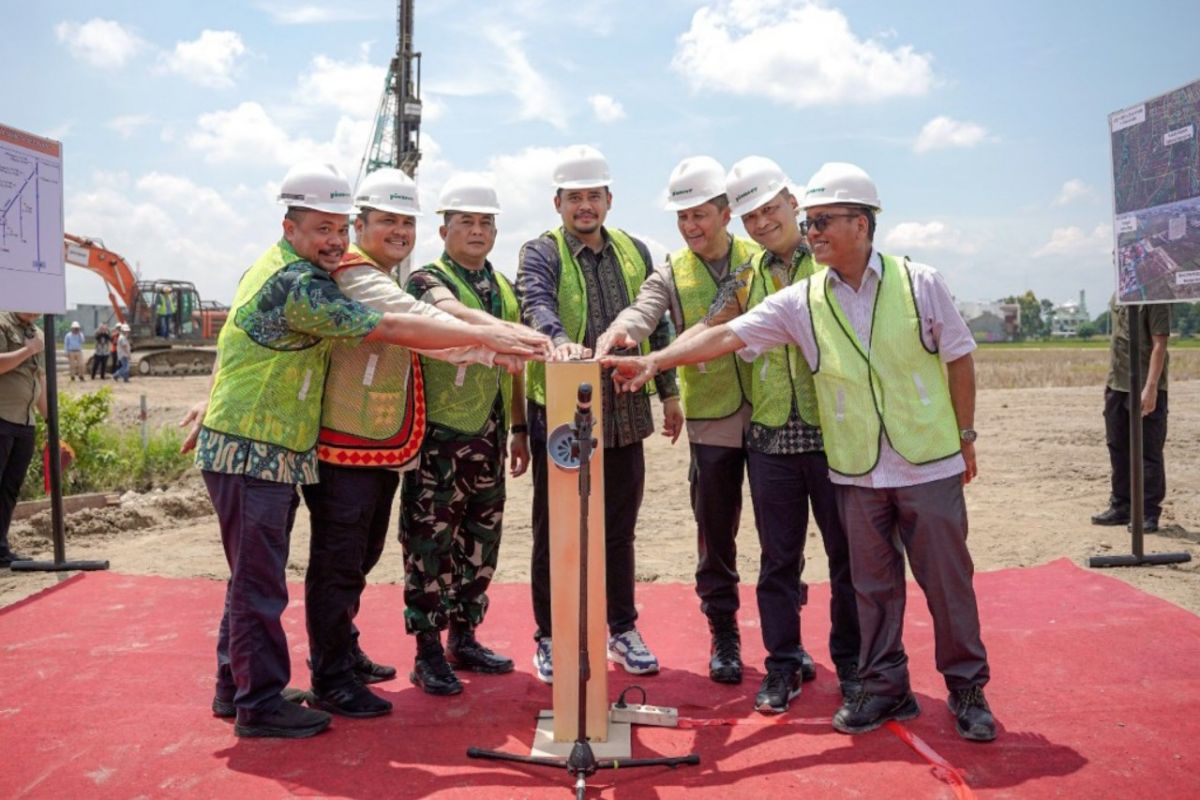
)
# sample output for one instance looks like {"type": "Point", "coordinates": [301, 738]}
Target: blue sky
{"type": "Point", "coordinates": [984, 124]}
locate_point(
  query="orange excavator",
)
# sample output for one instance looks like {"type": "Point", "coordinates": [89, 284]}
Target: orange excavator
{"type": "Point", "coordinates": [173, 331]}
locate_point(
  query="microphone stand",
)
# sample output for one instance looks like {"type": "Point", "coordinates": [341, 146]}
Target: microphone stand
{"type": "Point", "coordinates": [582, 762]}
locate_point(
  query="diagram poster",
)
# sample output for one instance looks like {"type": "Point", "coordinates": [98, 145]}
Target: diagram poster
{"type": "Point", "coordinates": [1156, 198]}
{"type": "Point", "coordinates": [31, 223]}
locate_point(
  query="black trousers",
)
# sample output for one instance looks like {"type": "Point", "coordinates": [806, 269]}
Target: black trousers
{"type": "Point", "coordinates": [624, 482]}
{"type": "Point", "coordinates": [16, 451]}
{"type": "Point", "coordinates": [256, 518]}
{"type": "Point", "coordinates": [1154, 436]}
{"type": "Point", "coordinates": [100, 364]}
{"type": "Point", "coordinates": [349, 513]}
{"type": "Point", "coordinates": [781, 488]}
{"type": "Point", "coordinates": [716, 475]}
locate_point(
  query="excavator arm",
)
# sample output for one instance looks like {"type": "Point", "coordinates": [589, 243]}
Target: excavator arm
{"type": "Point", "coordinates": [118, 277]}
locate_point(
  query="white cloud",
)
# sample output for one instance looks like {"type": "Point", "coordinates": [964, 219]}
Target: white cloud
{"type": "Point", "coordinates": [300, 14]}
{"type": "Point", "coordinates": [795, 54]}
{"type": "Point", "coordinates": [247, 134]}
{"type": "Point", "coordinates": [606, 108]}
{"type": "Point", "coordinates": [910, 237]}
{"type": "Point", "coordinates": [942, 132]}
{"type": "Point", "coordinates": [128, 124]}
{"type": "Point", "coordinates": [1074, 241]}
{"type": "Point", "coordinates": [100, 42]}
{"type": "Point", "coordinates": [1073, 190]}
{"type": "Point", "coordinates": [537, 97]}
{"type": "Point", "coordinates": [208, 60]}
{"type": "Point", "coordinates": [354, 87]}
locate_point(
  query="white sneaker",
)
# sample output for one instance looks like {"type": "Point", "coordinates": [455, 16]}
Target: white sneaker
{"type": "Point", "coordinates": [543, 665]}
{"type": "Point", "coordinates": [628, 650]}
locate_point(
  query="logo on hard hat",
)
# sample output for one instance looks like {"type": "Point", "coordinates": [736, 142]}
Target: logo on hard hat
{"type": "Point", "coordinates": [399, 196]}
{"type": "Point", "coordinates": [747, 193]}
{"type": "Point", "coordinates": [680, 192]}
{"type": "Point", "coordinates": [338, 195]}
{"type": "Point", "coordinates": [815, 190]}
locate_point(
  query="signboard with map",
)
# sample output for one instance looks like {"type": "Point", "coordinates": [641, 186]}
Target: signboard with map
{"type": "Point", "coordinates": [31, 223]}
{"type": "Point", "coordinates": [1156, 198]}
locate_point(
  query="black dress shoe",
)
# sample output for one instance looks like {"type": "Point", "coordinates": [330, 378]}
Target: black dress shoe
{"type": "Point", "coordinates": [370, 672]}
{"type": "Point", "coordinates": [725, 663]}
{"type": "Point", "coordinates": [289, 721]}
{"type": "Point", "coordinates": [865, 711]}
{"type": "Point", "coordinates": [972, 717]}
{"type": "Point", "coordinates": [1149, 525]}
{"type": "Point", "coordinates": [467, 653]}
{"type": "Point", "coordinates": [222, 707]}
{"type": "Point", "coordinates": [434, 675]}
{"type": "Point", "coordinates": [808, 670]}
{"type": "Point", "coordinates": [848, 680]}
{"type": "Point", "coordinates": [1111, 516]}
{"type": "Point", "coordinates": [350, 700]}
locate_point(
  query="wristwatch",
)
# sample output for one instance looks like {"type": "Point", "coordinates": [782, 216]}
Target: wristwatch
{"type": "Point", "coordinates": [968, 435]}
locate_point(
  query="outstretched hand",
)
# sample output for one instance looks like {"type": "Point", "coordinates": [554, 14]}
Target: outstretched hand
{"type": "Point", "coordinates": [515, 340]}
{"type": "Point", "coordinates": [630, 373]}
{"type": "Point", "coordinates": [570, 351]}
{"type": "Point", "coordinates": [613, 339]}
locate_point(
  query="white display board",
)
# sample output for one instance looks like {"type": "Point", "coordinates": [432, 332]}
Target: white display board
{"type": "Point", "coordinates": [1156, 198]}
{"type": "Point", "coordinates": [31, 223]}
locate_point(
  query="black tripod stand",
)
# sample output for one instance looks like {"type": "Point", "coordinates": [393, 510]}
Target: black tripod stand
{"type": "Point", "coordinates": [582, 762]}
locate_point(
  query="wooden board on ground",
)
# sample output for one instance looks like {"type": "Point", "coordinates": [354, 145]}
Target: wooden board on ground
{"type": "Point", "coordinates": [562, 391]}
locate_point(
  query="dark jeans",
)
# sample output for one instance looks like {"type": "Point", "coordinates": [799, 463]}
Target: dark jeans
{"type": "Point", "coordinates": [781, 487]}
{"type": "Point", "coordinates": [100, 364]}
{"type": "Point", "coordinates": [1154, 436]}
{"type": "Point", "coordinates": [16, 451]}
{"type": "Point", "coordinates": [349, 513]}
{"type": "Point", "coordinates": [256, 517]}
{"type": "Point", "coordinates": [929, 523]}
{"type": "Point", "coordinates": [624, 481]}
{"type": "Point", "coordinates": [716, 475]}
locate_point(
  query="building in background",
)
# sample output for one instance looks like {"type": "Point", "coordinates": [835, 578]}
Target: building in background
{"type": "Point", "coordinates": [1066, 318]}
{"type": "Point", "coordinates": [991, 321]}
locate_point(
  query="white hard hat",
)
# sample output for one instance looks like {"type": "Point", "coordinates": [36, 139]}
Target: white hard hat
{"type": "Point", "coordinates": [470, 192]}
{"type": "Point", "coordinates": [694, 182]}
{"type": "Point", "coordinates": [839, 182]}
{"type": "Point", "coordinates": [316, 186]}
{"type": "Point", "coordinates": [752, 183]}
{"type": "Point", "coordinates": [388, 189]}
{"type": "Point", "coordinates": [582, 167]}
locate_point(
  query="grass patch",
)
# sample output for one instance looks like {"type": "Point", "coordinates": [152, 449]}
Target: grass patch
{"type": "Point", "coordinates": [1028, 366]}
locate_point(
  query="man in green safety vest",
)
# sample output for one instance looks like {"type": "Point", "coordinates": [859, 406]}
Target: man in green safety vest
{"type": "Point", "coordinates": [574, 280]}
{"type": "Point", "coordinates": [453, 511]}
{"type": "Point", "coordinates": [895, 384]}
{"type": "Point", "coordinates": [712, 269]}
{"type": "Point", "coordinates": [164, 311]}
{"type": "Point", "coordinates": [256, 436]}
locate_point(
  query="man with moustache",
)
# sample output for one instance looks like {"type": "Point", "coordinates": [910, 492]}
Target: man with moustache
{"type": "Point", "coordinates": [452, 516]}
{"type": "Point", "coordinates": [895, 383]}
{"type": "Point", "coordinates": [372, 424]}
{"type": "Point", "coordinates": [713, 269]}
{"type": "Point", "coordinates": [258, 437]}
{"type": "Point", "coordinates": [573, 282]}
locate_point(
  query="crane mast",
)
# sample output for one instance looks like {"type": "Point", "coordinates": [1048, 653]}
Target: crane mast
{"type": "Point", "coordinates": [396, 136]}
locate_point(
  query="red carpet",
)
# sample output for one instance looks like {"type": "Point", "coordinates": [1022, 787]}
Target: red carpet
{"type": "Point", "coordinates": [106, 683]}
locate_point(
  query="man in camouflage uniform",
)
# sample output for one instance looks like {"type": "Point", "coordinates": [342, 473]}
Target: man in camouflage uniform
{"type": "Point", "coordinates": [453, 509]}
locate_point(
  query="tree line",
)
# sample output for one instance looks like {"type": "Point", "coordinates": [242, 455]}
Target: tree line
{"type": "Point", "coordinates": [1037, 319]}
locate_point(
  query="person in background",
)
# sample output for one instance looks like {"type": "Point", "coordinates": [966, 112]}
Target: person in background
{"type": "Point", "coordinates": [1155, 322]}
{"type": "Point", "coordinates": [73, 344]}
{"type": "Point", "coordinates": [22, 389]}
{"type": "Point", "coordinates": [124, 354]}
{"type": "Point", "coordinates": [103, 341]}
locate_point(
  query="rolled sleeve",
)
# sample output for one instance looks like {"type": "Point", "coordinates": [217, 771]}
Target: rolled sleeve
{"type": "Point", "coordinates": [317, 307]}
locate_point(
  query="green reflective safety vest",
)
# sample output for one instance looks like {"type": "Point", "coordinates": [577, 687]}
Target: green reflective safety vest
{"type": "Point", "coordinates": [717, 388]}
{"type": "Point", "coordinates": [462, 398]}
{"type": "Point", "coordinates": [262, 394]}
{"type": "Point", "coordinates": [573, 300]}
{"type": "Point", "coordinates": [166, 303]}
{"type": "Point", "coordinates": [781, 373]}
{"type": "Point", "coordinates": [894, 385]}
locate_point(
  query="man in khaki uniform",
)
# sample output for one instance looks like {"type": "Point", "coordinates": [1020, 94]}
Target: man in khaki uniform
{"type": "Point", "coordinates": [22, 389]}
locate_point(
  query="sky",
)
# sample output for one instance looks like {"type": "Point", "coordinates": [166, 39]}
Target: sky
{"type": "Point", "coordinates": [984, 125]}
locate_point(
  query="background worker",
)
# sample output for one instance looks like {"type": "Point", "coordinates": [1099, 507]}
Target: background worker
{"type": "Point", "coordinates": [164, 310]}
{"type": "Point", "coordinates": [73, 344]}
{"type": "Point", "coordinates": [715, 394]}
{"type": "Point", "coordinates": [895, 382]}
{"type": "Point", "coordinates": [1152, 399]}
{"type": "Point", "coordinates": [785, 456]}
{"type": "Point", "coordinates": [124, 353]}
{"type": "Point", "coordinates": [452, 516]}
{"type": "Point", "coordinates": [100, 356]}
{"type": "Point", "coordinates": [372, 425]}
{"type": "Point", "coordinates": [22, 390]}
{"type": "Point", "coordinates": [260, 427]}
{"type": "Point", "coordinates": [573, 281]}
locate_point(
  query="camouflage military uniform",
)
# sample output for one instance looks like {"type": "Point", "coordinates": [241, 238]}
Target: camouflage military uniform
{"type": "Point", "coordinates": [453, 509]}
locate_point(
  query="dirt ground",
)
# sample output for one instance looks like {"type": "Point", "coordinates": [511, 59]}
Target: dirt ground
{"type": "Point", "coordinates": [1043, 472]}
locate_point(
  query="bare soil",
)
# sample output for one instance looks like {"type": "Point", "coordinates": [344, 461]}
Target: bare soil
{"type": "Point", "coordinates": [1043, 472]}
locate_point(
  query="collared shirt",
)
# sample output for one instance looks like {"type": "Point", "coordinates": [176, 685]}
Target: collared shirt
{"type": "Point", "coordinates": [795, 435]}
{"type": "Point", "coordinates": [784, 317]}
{"type": "Point", "coordinates": [297, 307]}
{"type": "Point", "coordinates": [657, 297]}
{"type": "Point", "coordinates": [1155, 321]}
{"type": "Point", "coordinates": [627, 417]}
{"type": "Point", "coordinates": [73, 342]}
{"type": "Point", "coordinates": [21, 385]}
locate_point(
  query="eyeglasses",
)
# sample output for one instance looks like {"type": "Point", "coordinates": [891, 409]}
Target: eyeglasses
{"type": "Point", "coordinates": [820, 222]}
